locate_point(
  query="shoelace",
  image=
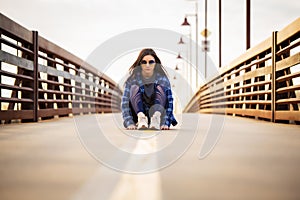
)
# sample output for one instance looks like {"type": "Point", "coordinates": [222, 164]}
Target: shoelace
{"type": "Point", "coordinates": [143, 118]}
{"type": "Point", "coordinates": [155, 121]}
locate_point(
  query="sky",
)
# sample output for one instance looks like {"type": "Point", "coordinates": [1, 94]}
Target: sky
{"type": "Point", "coordinates": [80, 26]}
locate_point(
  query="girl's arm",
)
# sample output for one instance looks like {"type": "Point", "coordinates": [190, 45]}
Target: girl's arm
{"type": "Point", "coordinates": [126, 112]}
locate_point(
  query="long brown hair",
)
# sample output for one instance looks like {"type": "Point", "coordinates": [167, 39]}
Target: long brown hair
{"type": "Point", "coordinates": [136, 66]}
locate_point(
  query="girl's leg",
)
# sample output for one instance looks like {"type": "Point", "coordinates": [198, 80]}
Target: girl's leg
{"type": "Point", "coordinates": [136, 99]}
{"type": "Point", "coordinates": [137, 105]}
{"type": "Point", "coordinates": [158, 108]}
{"type": "Point", "coordinates": [160, 99]}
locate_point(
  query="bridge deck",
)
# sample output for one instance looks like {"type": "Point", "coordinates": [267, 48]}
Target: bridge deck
{"type": "Point", "coordinates": [252, 160]}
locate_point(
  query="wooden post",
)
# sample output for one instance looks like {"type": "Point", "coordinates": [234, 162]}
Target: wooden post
{"type": "Point", "coordinates": [273, 75]}
{"type": "Point", "coordinates": [35, 75]}
{"type": "Point", "coordinates": [0, 76]}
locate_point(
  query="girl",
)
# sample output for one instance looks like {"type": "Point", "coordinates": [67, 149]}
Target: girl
{"type": "Point", "coordinates": [147, 101]}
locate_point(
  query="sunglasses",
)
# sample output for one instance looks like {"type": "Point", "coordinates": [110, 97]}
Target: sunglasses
{"type": "Point", "coordinates": [144, 62]}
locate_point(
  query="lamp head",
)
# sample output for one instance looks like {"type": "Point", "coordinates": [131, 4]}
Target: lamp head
{"type": "Point", "coordinates": [181, 41]}
{"type": "Point", "coordinates": [185, 22]}
{"type": "Point", "coordinates": [179, 56]}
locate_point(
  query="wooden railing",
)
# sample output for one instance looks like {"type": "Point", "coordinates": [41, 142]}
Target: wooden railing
{"type": "Point", "coordinates": [263, 83]}
{"type": "Point", "coordinates": [40, 80]}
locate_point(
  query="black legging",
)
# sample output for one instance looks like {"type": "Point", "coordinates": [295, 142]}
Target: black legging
{"type": "Point", "coordinates": [136, 99]}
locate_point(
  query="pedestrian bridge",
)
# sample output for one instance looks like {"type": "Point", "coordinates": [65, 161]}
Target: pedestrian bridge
{"type": "Point", "coordinates": [61, 135]}
{"type": "Point", "coordinates": [50, 160]}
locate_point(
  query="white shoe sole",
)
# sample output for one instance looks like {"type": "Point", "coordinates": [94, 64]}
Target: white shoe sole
{"type": "Point", "coordinates": [153, 128]}
{"type": "Point", "coordinates": [143, 127]}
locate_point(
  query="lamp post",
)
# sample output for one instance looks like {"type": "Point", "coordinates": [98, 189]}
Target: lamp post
{"type": "Point", "coordinates": [206, 34]}
{"type": "Point", "coordinates": [220, 33]}
{"type": "Point", "coordinates": [205, 43]}
{"type": "Point", "coordinates": [248, 9]}
{"type": "Point", "coordinates": [186, 23]}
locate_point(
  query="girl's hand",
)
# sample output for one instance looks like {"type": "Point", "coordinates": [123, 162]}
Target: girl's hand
{"type": "Point", "coordinates": [164, 127]}
{"type": "Point", "coordinates": [131, 127]}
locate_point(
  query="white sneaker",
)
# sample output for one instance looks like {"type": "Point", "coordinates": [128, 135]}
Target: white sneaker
{"type": "Point", "coordinates": [142, 121]}
{"type": "Point", "coordinates": [155, 121]}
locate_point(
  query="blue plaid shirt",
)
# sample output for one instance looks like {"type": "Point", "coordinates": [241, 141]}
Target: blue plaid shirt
{"type": "Point", "coordinates": [137, 80]}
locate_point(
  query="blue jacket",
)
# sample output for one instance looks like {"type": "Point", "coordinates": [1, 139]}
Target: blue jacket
{"type": "Point", "coordinates": [137, 80]}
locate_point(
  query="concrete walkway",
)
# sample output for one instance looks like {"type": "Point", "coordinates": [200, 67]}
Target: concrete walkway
{"type": "Point", "coordinates": [63, 159]}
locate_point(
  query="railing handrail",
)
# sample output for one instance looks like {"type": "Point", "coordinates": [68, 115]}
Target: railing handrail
{"type": "Point", "coordinates": [262, 68]}
{"type": "Point", "coordinates": [83, 86]}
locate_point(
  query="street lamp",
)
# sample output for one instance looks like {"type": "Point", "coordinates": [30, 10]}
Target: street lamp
{"type": "Point", "coordinates": [179, 56]}
{"type": "Point", "coordinates": [188, 68]}
{"type": "Point", "coordinates": [181, 41]}
{"type": "Point", "coordinates": [186, 23]}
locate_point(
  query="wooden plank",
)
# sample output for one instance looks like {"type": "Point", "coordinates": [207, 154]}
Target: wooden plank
{"type": "Point", "coordinates": [250, 112]}
{"type": "Point", "coordinates": [54, 101]}
{"type": "Point", "coordinates": [288, 89]}
{"type": "Point", "coordinates": [15, 29]}
{"type": "Point", "coordinates": [56, 83]}
{"type": "Point", "coordinates": [288, 31]}
{"type": "Point", "coordinates": [226, 103]}
{"type": "Point", "coordinates": [215, 81]}
{"type": "Point", "coordinates": [16, 114]}
{"type": "Point", "coordinates": [248, 75]}
{"type": "Point", "coordinates": [288, 77]}
{"type": "Point", "coordinates": [288, 62]}
{"type": "Point", "coordinates": [244, 67]}
{"type": "Point", "coordinates": [91, 103]}
{"type": "Point", "coordinates": [213, 110]}
{"type": "Point", "coordinates": [255, 93]}
{"type": "Point", "coordinates": [62, 54]}
{"type": "Point", "coordinates": [55, 92]}
{"type": "Point", "coordinates": [193, 99]}
{"type": "Point", "coordinates": [288, 101]}
{"type": "Point", "coordinates": [15, 100]}
{"type": "Point", "coordinates": [23, 49]}
{"type": "Point", "coordinates": [211, 98]}
{"type": "Point", "coordinates": [215, 88]}
{"type": "Point", "coordinates": [288, 115]}
{"type": "Point", "coordinates": [249, 85]}
{"type": "Point", "coordinates": [12, 87]}
{"type": "Point", "coordinates": [14, 75]}
{"type": "Point", "coordinates": [15, 60]}
{"type": "Point", "coordinates": [54, 72]}
{"type": "Point", "coordinates": [288, 48]}
{"type": "Point", "coordinates": [54, 112]}
{"type": "Point", "coordinates": [57, 62]}
{"type": "Point", "coordinates": [102, 97]}
{"type": "Point", "coordinates": [242, 112]}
